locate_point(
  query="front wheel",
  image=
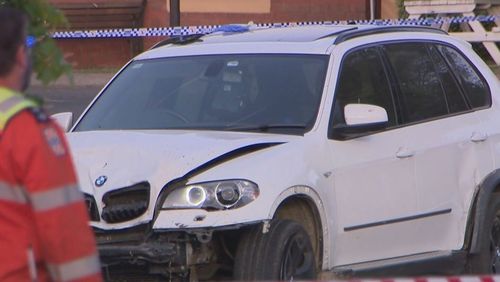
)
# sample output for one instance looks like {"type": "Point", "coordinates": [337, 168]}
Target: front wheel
{"type": "Point", "coordinates": [283, 253]}
{"type": "Point", "coordinates": [487, 261]}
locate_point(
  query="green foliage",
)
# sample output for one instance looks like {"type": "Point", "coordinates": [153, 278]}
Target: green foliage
{"type": "Point", "coordinates": [402, 12]}
{"type": "Point", "coordinates": [48, 60]}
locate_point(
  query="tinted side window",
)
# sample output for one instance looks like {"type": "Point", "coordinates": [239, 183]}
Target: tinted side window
{"type": "Point", "coordinates": [363, 80]}
{"type": "Point", "coordinates": [454, 96]}
{"type": "Point", "coordinates": [422, 95]}
{"type": "Point", "coordinates": [473, 84]}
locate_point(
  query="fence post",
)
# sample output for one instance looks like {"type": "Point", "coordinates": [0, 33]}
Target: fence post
{"type": "Point", "coordinates": [175, 13]}
{"type": "Point", "coordinates": [417, 8]}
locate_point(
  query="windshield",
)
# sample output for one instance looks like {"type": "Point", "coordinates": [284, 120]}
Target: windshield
{"type": "Point", "coordinates": [217, 92]}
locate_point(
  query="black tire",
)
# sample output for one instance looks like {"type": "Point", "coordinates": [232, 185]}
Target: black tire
{"type": "Point", "coordinates": [487, 261]}
{"type": "Point", "coordinates": [283, 253]}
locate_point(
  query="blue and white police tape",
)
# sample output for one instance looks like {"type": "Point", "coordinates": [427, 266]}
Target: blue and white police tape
{"type": "Point", "coordinates": [206, 29]}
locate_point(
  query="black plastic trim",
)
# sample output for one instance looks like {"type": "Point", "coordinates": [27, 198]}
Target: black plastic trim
{"type": "Point", "coordinates": [92, 209]}
{"type": "Point", "coordinates": [337, 33]}
{"type": "Point", "coordinates": [136, 203]}
{"type": "Point", "coordinates": [445, 264]}
{"type": "Point", "coordinates": [351, 34]}
{"type": "Point", "coordinates": [396, 220]}
{"type": "Point", "coordinates": [486, 189]}
{"type": "Point", "coordinates": [154, 252]}
{"type": "Point", "coordinates": [179, 40]}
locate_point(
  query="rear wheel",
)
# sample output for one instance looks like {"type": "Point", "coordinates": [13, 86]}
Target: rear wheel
{"type": "Point", "coordinates": [488, 259]}
{"type": "Point", "coordinates": [283, 253]}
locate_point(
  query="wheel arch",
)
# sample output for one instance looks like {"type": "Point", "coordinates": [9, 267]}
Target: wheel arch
{"type": "Point", "coordinates": [301, 204]}
{"type": "Point", "coordinates": [489, 185]}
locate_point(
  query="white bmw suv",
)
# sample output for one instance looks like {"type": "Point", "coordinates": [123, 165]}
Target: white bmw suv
{"type": "Point", "coordinates": [289, 153]}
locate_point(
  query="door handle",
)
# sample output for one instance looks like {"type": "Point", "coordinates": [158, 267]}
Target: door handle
{"type": "Point", "coordinates": [404, 153]}
{"type": "Point", "coordinates": [477, 137]}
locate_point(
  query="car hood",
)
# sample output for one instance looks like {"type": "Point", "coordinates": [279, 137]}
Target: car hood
{"type": "Point", "coordinates": [129, 157]}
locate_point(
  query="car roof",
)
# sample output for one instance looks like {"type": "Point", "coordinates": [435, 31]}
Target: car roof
{"type": "Point", "coordinates": [311, 39]}
{"type": "Point", "coordinates": [279, 34]}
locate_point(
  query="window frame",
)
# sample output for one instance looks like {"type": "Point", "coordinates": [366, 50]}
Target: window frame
{"type": "Point", "coordinates": [331, 130]}
{"type": "Point", "coordinates": [394, 84]}
{"type": "Point", "coordinates": [398, 90]}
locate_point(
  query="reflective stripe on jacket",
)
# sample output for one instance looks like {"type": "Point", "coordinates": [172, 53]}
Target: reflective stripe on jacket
{"type": "Point", "coordinates": [10, 104]}
{"type": "Point", "coordinates": [44, 230]}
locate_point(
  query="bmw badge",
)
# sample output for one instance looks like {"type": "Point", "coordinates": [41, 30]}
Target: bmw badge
{"type": "Point", "coordinates": [100, 180]}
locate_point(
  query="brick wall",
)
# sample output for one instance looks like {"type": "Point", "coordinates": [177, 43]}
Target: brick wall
{"type": "Point", "coordinates": [106, 53]}
{"type": "Point", "coordinates": [96, 53]}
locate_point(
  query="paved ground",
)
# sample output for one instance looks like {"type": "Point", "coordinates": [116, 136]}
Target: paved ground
{"type": "Point", "coordinates": [64, 96]}
{"type": "Point", "coordinates": [58, 99]}
{"type": "Point", "coordinates": [81, 79]}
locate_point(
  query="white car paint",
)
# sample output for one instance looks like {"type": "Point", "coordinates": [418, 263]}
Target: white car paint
{"type": "Point", "coordinates": [417, 169]}
{"type": "Point", "coordinates": [163, 156]}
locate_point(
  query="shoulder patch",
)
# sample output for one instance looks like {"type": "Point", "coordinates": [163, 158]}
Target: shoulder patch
{"type": "Point", "coordinates": [54, 141]}
{"type": "Point", "coordinates": [39, 114]}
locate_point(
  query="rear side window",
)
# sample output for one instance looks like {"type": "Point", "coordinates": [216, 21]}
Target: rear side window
{"type": "Point", "coordinates": [454, 97]}
{"type": "Point", "coordinates": [475, 88]}
{"type": "Point", "coordinates": [422, 94]}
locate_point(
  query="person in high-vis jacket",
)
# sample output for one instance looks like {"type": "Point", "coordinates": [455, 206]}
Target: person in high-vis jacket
{"type": "Point", "coordinates": [44, 230]}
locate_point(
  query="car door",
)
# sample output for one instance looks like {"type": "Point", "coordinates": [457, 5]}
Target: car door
{"type": "Point", "coordinates": [445, 141]}
{"type": "Point", "coordinates": [373, 176]}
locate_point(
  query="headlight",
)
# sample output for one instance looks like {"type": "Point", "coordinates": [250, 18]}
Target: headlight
{"type": "Point", "coordinates": [223, 194]}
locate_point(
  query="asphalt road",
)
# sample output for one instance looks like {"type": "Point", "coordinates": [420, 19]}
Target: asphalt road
{"type": "Point", "coordinates": [57, 99]}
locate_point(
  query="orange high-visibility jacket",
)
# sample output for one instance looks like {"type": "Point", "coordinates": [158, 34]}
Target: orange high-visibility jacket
{"type": "Point", "coordinates": [44, 231]}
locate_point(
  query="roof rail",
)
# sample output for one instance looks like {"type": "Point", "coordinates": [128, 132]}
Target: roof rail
{"type": "Point", "coordinates": [351, 34]}
{"type": "Point", "coordinates": [179, 40]}
{"type": "Point", "coordinates": [337, 32]}
{"type": "Point", "coordinates": [191, 38]}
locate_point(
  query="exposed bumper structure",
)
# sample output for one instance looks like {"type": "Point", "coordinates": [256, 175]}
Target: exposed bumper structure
{"type": "Point", "coordinates": [139, 252]}
{"type": "Point", "coordinates": [154, 252]}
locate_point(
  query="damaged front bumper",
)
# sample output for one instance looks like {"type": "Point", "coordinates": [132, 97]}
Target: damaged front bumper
{"type": "Point", "coordinates": [149, 252]}
{"type": "Point", "coordinates": [138, 251]}
{"type": "Point", "coordinates": [142, 252]}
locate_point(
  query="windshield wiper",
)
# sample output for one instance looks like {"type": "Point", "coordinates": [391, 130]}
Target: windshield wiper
{"type": "Point", "coordinates": [266, 127]}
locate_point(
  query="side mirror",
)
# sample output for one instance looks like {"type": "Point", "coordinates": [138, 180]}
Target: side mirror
{"type": "Point", "coordinates": [64, 120]}
{"type": "Point", "coordinates": [361, 119]}
{"type": "Point", "coordinates": [364, 114]}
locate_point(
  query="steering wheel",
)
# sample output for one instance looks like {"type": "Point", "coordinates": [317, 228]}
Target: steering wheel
{"type": "Point", "coordinates": [250, 115]}
{"type": "Point", "coordinates": [175, 115]}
